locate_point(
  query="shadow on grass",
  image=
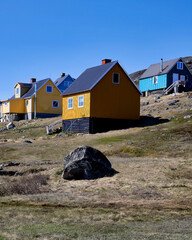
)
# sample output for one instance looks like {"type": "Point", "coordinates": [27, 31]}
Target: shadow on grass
{"type": "Point", "coordinates": [150, 121]}
{"type": "Point", "coordinates": [104, 125]}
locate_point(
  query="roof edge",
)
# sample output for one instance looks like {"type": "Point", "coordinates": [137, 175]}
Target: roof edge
{"type": "Point", "coordinates": [115, 62]}
{"type": "Point", "coordinates": [130, 78]}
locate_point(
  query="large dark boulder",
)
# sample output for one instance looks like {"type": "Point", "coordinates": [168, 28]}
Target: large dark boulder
{"type": "Point", "coordinates": [86, 163]}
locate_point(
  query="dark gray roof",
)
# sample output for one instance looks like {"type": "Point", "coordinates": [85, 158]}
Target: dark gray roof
{"type": "Point", "coordinates": [31, 92]}
{"type": "Point", "coordinates": [154, 69]}
{"type": "Point", "coordinates": [89, 78]}
{"type": "Point", "coordinates": [28, 85]}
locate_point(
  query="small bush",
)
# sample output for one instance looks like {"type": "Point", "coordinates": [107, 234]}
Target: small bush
{"type": "Point", "coordinates": [59, 172]}
{"type": "Point", "coordinates": [24, 185]}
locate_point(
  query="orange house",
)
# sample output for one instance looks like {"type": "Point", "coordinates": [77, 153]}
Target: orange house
{"type": "Point", "coordinates": [102, 98]}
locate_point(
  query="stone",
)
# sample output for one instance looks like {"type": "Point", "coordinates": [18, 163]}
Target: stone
{"type": "Point", "coordinates": [172, 102]}
{"type": "Point", "coordinates": [172, 117]}
{"type": "Point", "coordinates": [187, 116]}
{"type": "Point", "coordinates": [86, 163]}
{"type": "Point", "coordinates": [10, 125]}
{"type": "Point", "coordinates": [27, 141]}
{"type": "Point", "coordinates": [7, 173]}
{"type": "Point", "coordinates": [156, 98]}
{"type": "Point", "coordinates": [11, 164]}
{"type": "Point", "coordinates": [144, 103]}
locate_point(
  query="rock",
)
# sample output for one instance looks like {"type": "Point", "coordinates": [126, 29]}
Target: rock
{"type": "Point", "coordinates": [7, 173]}
{"type": "Point", "coordinates": [10, 125]}
{"type": "Point", "coordinates": [188, 116]}
{"type": "Point", "coordinates": [86, 163]}
{"type": "Point", "coordinates": [172, 117]}
{"type": "Point", "coordinates": [156, 98]}
{"type": "Point", "coordinates": [11, 164]}
{"type": "Point", "coordinates": [144, 103]}
{"type": "Point", "coordinates": [172, 102]}
{"type": "Point", "coordinates": [27, 141]}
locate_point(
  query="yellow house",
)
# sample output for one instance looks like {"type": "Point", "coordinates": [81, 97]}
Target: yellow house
{"type": "Point", "coordinates": [0, 109]}
{"type": "Point", "coordinates": [36, 99]}
{"type": "Point", "coordinates": [102, 98]}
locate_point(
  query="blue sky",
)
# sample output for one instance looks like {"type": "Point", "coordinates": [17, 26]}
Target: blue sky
{"type": "Point", "coordinates": [43, 38]}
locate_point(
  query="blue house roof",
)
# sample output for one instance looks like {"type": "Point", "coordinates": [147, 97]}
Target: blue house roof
{"type": "Point", "coordinates": [154, 69]}
{"type": "Point", "coordinates": [58, 81]}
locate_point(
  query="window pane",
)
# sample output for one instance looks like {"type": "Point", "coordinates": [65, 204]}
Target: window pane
{"type": "Point", "coordinates": [115, 78]}
{"type": "Point", "coordinates": [55, 104]}
{"type": "Point", "coordinates": [49, 89]}
{"type": "Point", "coordinates": [70, 103]}
{"type": "Point", "coordinates": [80, 101]}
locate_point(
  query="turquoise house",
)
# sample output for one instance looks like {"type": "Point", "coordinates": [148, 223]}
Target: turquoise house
{"type": "Point", "coordinates": [161, 75]}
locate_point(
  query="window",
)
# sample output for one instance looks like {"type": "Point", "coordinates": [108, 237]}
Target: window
{"type": "Point", "coordinates": [70, 103]}
{"type": "Point", "coordinates": [26, 103]}
{"type": "Point", "coordinates": [55, 104]}
{"type": "Point", "coordinates": [182, 77]}
{"type": "Point", "coordinates": [116, 78]}
{"type": "Point", "coordinates": [5, 103]}
{"type": "Point", "coordinates": [155, 79]}
{"type": "Point", "coordinates": [81, 101]}
{"type": "Point", "coordinates": [180, 65]}
{"type": "Point", "coordinates": [17, 90]}
{"type": "Point", "coordinates": [49, 89]}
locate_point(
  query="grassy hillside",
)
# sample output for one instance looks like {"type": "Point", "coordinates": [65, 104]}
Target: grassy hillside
{"type": "Point", "coordinates": [150, 197]}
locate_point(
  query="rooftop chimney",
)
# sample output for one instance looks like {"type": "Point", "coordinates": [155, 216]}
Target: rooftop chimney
{"type": "Point", "coordinates": [161, 67]}
{"type": "Point", "coordinates": [62, 74]}
{"type": "Point", "coordinates": [33, 80]}
{"type": "Point", "coordinates": [104, 61]}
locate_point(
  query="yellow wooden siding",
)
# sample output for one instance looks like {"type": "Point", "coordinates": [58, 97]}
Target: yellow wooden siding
{"type": "Point", "coordinates": [17, 105]}
{"type": "Point", "coordinates": [76, 112]}
{"type": "Point", "coordinates": [44, 100]}
{"type": "Point", "coordinates": [28, 105]}
{"type": "Point", "coordinates": [5, 108]}
{"type": "Point", "coordinates": [116, 101]}
{"type": "Point", "coordinates": [19, 94]}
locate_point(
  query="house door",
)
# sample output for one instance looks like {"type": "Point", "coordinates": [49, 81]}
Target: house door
{"type": "Point", "coordinates": [175, 77]}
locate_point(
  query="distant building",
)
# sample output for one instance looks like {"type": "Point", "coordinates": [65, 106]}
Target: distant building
{"type": "Point", "coordinates": [35, 99]}
{"type": "Point", "coordinates": [100, 99]}
{"type": "Point", "coordinates": [64, 82]}
{"type": "Point", "coordinates": [162, 75]}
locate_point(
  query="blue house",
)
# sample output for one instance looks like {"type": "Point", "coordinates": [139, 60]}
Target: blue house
{"type": "Point", "coordinates": [64, 82]}
{"type": "Point", "coordinates": [162, 75]}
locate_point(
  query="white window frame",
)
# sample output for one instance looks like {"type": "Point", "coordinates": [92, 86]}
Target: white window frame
{"type": "Point", "coordinates": [57, 103]}
{"type": "Point", "coordinates": [118, 78]}
{"type": "Point", "coordinates": [26, 103]}
{"type": "Point", "coordinates": [182, 77]}
{"type": "Point", "coordinates": [180, 65]}
{"type": "Point", "coordinates": [70, 105]}
{"type": "Point", "coordinates": [51, 88]}
{"type": "Point", "coordinates": [81, 101]}
{"type": "Point", "coordinates": [155, 80]}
